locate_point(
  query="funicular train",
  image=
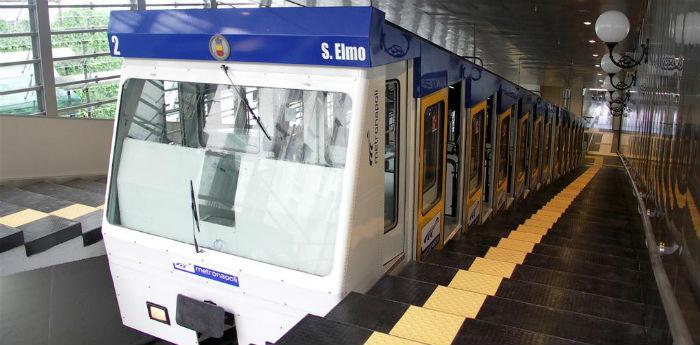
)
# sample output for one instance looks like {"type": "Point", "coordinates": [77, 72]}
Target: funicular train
{"type": "Point", "coordinates": [267, 162]}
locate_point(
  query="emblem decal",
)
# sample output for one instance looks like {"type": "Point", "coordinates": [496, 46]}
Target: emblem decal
{"type": "Point", "coordinates": [219, 47]}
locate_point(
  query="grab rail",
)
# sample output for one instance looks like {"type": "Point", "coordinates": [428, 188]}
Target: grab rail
{"type": "Point", "coordinates": [676, 321]}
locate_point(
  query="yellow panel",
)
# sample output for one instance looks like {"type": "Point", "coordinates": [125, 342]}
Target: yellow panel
{"type": "Point", "coordinates": [549, 212]}
{"type": "Point", "coordinates": [520, 246]}
{"type": "Point", "coordinates": [22, 217]}
{"type": "Point", "coordinates": [500, 254]}
{"type": "Point", "coordinates": [477, 282]}
{"type": "Point", "coordinates": [492, 267]}
{"type": "Point", "coordinates": [378, 338]}
{"type": "Point", "coordinates": [456, 302]}
{"type": "Point", "coordinates": [525, 236]}
{"type": "Point", "coordinates": [544, 217]}
{"type": "Point", "coordinates": [427, 326]}
{"type": "Point", "coordinates": [554, 208]}
{"type": "Point", "coordinates": [539, 223]}
{"type": "Point", "coordinates": [532, 229]}
{"type": "Point", "coordinates": [73, 211]}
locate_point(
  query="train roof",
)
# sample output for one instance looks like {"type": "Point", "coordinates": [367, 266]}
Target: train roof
{"type": "Point", "coordinates": [326, 36]}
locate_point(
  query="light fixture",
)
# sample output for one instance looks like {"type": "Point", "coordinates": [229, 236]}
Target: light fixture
{"type": "Point", "coordinates": [621, 85]}
{"type": "Point", "coordinates": [591, 41]}
{"type": "Point", "coordinates": [613, 27]}
{"type": "Point", "coordinates": [600, 73]}
{"type": "Point", "coordinates": [595, 55]}
{"type": "Point", "coordinates": [597, 66]}
{"type": "Point", "coordinates": [586, 23]}
{"type": "Point", "coordinates": [608, 65]}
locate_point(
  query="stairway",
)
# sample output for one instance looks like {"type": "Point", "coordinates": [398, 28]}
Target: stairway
{"type": "Point", "coordinates": [565, 266]}
{"type": "Point", "coordinates": [50, 223]}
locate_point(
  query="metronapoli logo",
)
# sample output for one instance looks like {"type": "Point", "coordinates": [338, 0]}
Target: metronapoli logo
{"type": "Point", "coordinates": [373, 134]}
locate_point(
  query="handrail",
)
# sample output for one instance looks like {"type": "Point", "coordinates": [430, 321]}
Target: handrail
{"type": "Point", "coordinates": [676, 321]}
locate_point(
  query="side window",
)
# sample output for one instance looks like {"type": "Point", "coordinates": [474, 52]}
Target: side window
{"type": "Point", "coordinates": [391, 151]}
{"type": "Point", "coordinates": [433, 132]}
{"type": "Point", "coordinates": [504, 130]}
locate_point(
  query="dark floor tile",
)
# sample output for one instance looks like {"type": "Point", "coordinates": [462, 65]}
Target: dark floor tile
{"type": "Point", "coordinates": [314, 330]}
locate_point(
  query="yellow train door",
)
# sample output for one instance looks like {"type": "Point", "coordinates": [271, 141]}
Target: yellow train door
{"type": "Point", "coordinates": [475, 168]}
{"type": "Point", "coordinates": [502, 162]}
{"type": "Point", "coordinates": [431, 174]}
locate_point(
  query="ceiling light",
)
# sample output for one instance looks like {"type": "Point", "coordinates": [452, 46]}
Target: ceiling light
{"type": "Point", "coordinates": [597, 65]}
{"type": "Point", "coordinates": [595, 55]}
{"type": "Point", "coordinates": [586, 23]}
{"type": "Point", "coordinates": [591, 41]}
{"type": "Point", "coordinates": [600, 73]}
{"type": "Point", "coordinates": [600, 80]}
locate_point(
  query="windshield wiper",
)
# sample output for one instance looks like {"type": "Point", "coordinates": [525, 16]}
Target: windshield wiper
{"type": "Point", "coordinates": [195, 218]}
{"type": "Point", "coordinates": [245, 102]}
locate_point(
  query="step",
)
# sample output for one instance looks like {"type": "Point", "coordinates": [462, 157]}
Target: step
{"type": "Point", "coordinates": [34, 201]}
{"type": "Point", "coordinates": [10, 238]}
{"type": "Point", "coordinates": [62, 192]}
{"type": "Point", "coordinates": [528, 292]}
{"type": "Point", "coordinates": [88, 185]}
{"type": "Point", "coordinates": [45, 233]}
{"type": "Point", "coordinates": [549, 250]}
{"type": "Point", "coordinates": [465, 254]}
{"type": "Point", "coordinates": [315, 330]}
{"type": "Point", "coordinates": [431, 326]}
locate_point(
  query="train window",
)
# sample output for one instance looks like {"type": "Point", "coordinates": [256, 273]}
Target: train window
{"type": "Point", "coordinates": [433, 134]}
{"type": "Point", "coordinates": [257, 197]}
{"type": "Point", "coordinates": [535, 157]}
{"type": "Point", "coordinates": [476, 153]}
{"type": "Point", "coordinates": [391, 149]}
{"type": "Point", "coordinates": [504, 129]}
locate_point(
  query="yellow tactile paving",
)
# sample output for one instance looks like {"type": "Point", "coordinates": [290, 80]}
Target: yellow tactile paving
{"type": "Point", "coordinates": [539, 223]}
{"type": "Point", "coordinates": [506, 255]}
{"type": "Point", "coordinates": [101, 207]}
{"type": "Point", "coordinates": [520, 246]}
{"type": "Point", "coordinates": [532, 229]}
{"type": "Point", "coordinates": [378, 338]}
{"type": "Point", "coordinates": [549, 212]}
{"type": "Point", "coordinates": [427, 326]}
{"type": "Point", "coordinates": [525, 236]}
{"type": "Point", "coordinates": [554, 208]}
{"type": "Point", "coordinates": [20, 218]}
{"type": "Point", "coordinates": [544, 217]}
{"type": "Point", "coordinates": [456, 302]}
{"type": "Point", "coordinates": [476, 282]}
{"type": "Point", "coordinates": [492, 267]}
{"type": "Point", "coordinates": [73, 211]}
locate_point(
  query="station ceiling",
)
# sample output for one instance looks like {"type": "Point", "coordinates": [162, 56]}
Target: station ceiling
{"type": "Point", "coordinates": [530, 42]}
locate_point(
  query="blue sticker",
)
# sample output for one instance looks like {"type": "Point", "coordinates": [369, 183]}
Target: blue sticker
{"type": "Point", "coordinates": [207, 273]}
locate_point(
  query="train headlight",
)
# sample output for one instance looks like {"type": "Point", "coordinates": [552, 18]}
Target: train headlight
{"type": "Point", "coordinates": [158, 313]}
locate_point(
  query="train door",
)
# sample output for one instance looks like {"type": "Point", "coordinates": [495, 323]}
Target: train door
{"type": "Point", "coordinates": [502, 159]}
{"type": "Point", "coordinates": [536, 155]}
{"type": "Point", "coordinates": [455, 162]}
{"type": "Point", "coordinates": [431, 171]}
{"type": "Point", "coordinates": [555, 147]}
{"type": "Point", "coordinates": [489, 149]}
{"type": "Point", "coordinates": [546, 150]}
{"type": "Point", "coordinates": [395, 115]}
{"type": "Point", "coordinates": [475, 165]}
{"type": "Point", "coordinates": [521, 154]}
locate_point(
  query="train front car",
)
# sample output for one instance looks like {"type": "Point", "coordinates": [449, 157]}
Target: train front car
{"type": "Point", "coordinates": [247, 172]}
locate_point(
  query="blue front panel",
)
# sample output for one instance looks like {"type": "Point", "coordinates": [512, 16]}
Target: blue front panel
{"type": "Point", "coordinates": [271, 35]}
{"type": "Point", "coordinates": [507, 96]}
{"type": "Point", "coordinates": [436, 69]}
{"type": "Point", "coordinates": [482, 85]}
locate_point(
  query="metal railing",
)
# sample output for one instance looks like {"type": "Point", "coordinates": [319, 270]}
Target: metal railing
{"type": "Point", "coordinates": [676, 322]}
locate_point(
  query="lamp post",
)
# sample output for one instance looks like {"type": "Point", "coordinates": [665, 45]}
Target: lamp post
{"type": "Point", "coordinates": [613, 27]}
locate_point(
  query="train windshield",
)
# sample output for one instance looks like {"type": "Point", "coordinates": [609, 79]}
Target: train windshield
{"type": "Point", "coordinates": [266, 166]}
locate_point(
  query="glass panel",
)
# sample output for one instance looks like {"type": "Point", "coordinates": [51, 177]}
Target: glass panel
{"type": "Point", "coordinates": [77, 14]}
{"type": "Point", "coordinates": [257, 198]}
{"type": "Point", "coordinates": [476, 153]}
{"type": "Point", "coordinates": [16, 77]}
{"type": "Point", "coordinates": [504, 129]}
{"type": "Point", "coordinates": [20, 103]}
{"type": "Point", "coordinates": [535, 156]}
{"type": "Point", "coordinates": [433, 134]}
{"type": "Point", "coordinates": [14, 20]}
{"type": "Point", "coordinates": [180, 4]}
{"type": "Point", "coordinates": [391, 173]}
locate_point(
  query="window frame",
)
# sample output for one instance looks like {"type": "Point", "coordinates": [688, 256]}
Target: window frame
{"type": "Point", "coordinates": [397, 151]}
